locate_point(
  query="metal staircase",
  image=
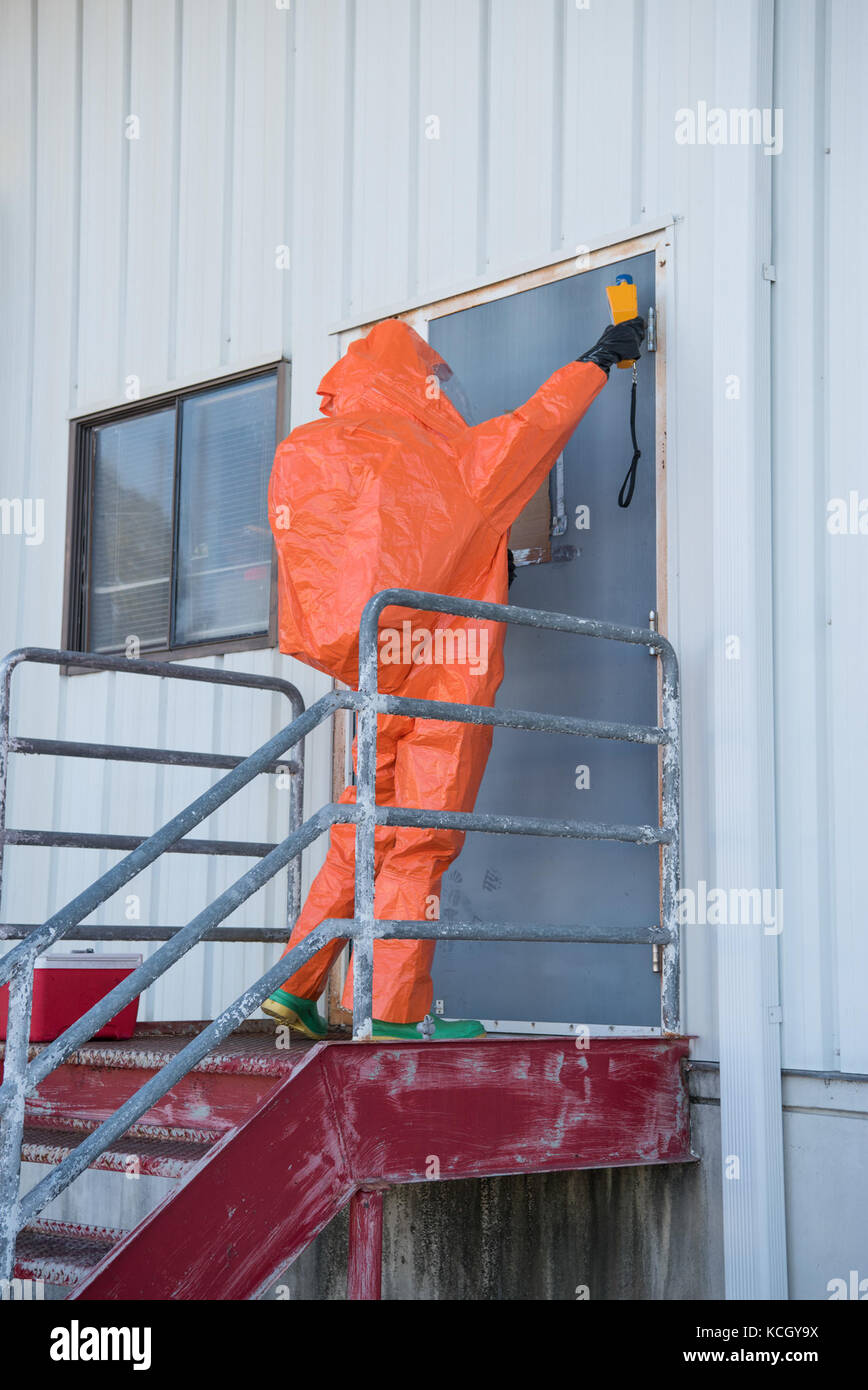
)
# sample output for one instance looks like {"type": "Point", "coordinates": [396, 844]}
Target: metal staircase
{"type": "Point", "coordinates": [323, 1126]}
{"type": "Point", "coordinates": [329, 1124]}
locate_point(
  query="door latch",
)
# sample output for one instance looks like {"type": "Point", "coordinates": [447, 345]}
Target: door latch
{"type": "Point", "coordinates": [653, 620]}
{"type": "Point", "coordinates": [559, 509]}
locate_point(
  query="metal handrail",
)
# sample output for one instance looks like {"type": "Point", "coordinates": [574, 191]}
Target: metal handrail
{"type": "Point", "coordinates": [374, 703]}
{"type": "Point", "coordinates": [108, 752]}
{"type": "Point", "coordinates": [22, 1077]}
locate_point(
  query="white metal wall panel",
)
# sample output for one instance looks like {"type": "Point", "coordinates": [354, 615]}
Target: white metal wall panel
{"type": "Point", "coordinates": [18, 183]}
{"type": "Point", "coordinates": [808, 955]}
{"type": "Point", "coordinates": [324, 136]}
{"type": "Point", "coordinates": [151, 271]}
{"type": "Point", "coordinates": [104, 193]}
{"type": "Point", "coordinates": [40, 176]}
{"type": "Point", "coordinates": [157, 259]}
{"type": "Point", "coordinates": [259, 279]}
{"type": "Point", "coordinates": [599, 119]}
{"type": "Point", "coordinates": [821, 579]}
{"type": "Point", "coordinates": [207, 61]}
{"type": "Point", "coordinates": [521, 132]}
{"type": "Point", "coordinates": [386, 141]}
{"type": "Point", "coordinates": [55, 291]}
{"type": "Point", "coordinates": [847, 555]}
{"type": "Point", "coordinates": [450, 153]}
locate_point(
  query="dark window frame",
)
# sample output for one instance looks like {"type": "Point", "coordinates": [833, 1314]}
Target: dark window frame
{"type": "Point", "coordinates": [78, 556]}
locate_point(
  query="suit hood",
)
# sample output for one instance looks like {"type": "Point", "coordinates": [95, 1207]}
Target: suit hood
{"type": "Point", "coordinates": [392, 369]}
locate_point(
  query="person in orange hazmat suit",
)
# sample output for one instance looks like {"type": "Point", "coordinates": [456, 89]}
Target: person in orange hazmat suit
{"type": "Point", "coordinates": [394, 489]}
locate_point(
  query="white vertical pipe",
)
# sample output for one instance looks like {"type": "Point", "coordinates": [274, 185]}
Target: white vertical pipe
{"type": "Point", "coordinates": [742, 721]}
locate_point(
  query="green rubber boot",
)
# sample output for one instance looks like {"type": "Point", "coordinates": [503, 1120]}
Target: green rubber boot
{"type": "Point", "coordinates": [299, 1014]}
{"type": "Point", "coordinates": [436, 1029]}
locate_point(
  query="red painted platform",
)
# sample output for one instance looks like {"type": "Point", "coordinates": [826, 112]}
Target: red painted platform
{"type": "Point", "coordinates": [268, 1146]}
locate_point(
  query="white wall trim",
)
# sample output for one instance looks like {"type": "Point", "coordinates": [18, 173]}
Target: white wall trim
{"type": "Point", "coordinates": [742, 730]}
{"type": "Point", "coordinates": [597, 252]}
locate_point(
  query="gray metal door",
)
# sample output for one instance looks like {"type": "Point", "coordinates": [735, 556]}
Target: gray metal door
{"type": "Point", "coordinates": [503, 351]}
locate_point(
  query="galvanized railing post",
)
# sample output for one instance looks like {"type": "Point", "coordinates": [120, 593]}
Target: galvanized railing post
{"type": "Point", "coordinates": [14, 1096]}
{"type": "Point", "coordinates": [670, 984]}
{"type": "Point", "coordinates": [366, 799]}
{"type": "Point", "coordinates": [296, 816]}
{"type": "Point", "coordinates": [5, 704]}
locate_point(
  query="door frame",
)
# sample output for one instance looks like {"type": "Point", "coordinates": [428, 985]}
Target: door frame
{"type": "Point", "coordinates": [659, 240]}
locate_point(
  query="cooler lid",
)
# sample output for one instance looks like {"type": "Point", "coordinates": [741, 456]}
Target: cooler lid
{"type": "Point", "coordinates": [83, 960]}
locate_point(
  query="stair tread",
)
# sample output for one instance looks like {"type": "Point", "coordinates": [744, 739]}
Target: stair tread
{"type": "Point", "coordinates": [61, 1252]}
{"type": "Point", "coordinates": [157, 1156]}
{"type": "Point", "coordinates": [72, 1123]}
{"type": "Point", "coordinates": [250, 1053]}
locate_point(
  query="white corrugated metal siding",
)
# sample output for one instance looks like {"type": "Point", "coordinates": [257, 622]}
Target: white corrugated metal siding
{"type": "Point", "coordinates": [554, 128]}
{"type": "Point", "coordinates": [152, 257]}
{"type": "Point", "coordinates": [821, 579]}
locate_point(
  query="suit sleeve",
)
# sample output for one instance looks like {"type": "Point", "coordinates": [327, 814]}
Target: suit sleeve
{"type": "Point", "coordinates": [506, 459]}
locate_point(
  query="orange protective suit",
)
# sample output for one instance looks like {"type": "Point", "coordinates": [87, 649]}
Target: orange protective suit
{"type": "Point", "coordinates": [395, 490]}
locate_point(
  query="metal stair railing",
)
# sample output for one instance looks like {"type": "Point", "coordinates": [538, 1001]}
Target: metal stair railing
{"type": "Point", "coordinates": [21, 1077]}
{"type": "Point", "coordinates": [167, 757]}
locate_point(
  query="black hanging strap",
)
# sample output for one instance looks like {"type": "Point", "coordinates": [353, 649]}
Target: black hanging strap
{"type": "Point", "coordinates": [625, 496]}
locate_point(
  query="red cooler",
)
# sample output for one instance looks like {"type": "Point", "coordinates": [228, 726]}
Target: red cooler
{"type": "Point", "coordinates": [66, 986]}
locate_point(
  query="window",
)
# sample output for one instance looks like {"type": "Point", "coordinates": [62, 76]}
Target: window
{"type": "Point", "coordinates": [170, 550]}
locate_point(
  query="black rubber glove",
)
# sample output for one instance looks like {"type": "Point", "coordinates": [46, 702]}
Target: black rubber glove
{"type": "Point", "coordinates": [619, 343]}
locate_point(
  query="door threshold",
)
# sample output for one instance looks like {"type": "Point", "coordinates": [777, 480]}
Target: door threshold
{"type": "Point", "coordinates": [561, 1030]}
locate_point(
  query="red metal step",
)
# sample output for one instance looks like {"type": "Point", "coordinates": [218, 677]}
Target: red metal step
{"type": "Point", "coordinates": [159, 1154]}
{"type": "Point", "coordinates": [168, 1142]}
{"type": "Point", "coordinates": [59, 1252]}
{"type": "Point", "coordinates": [214, 1098]}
